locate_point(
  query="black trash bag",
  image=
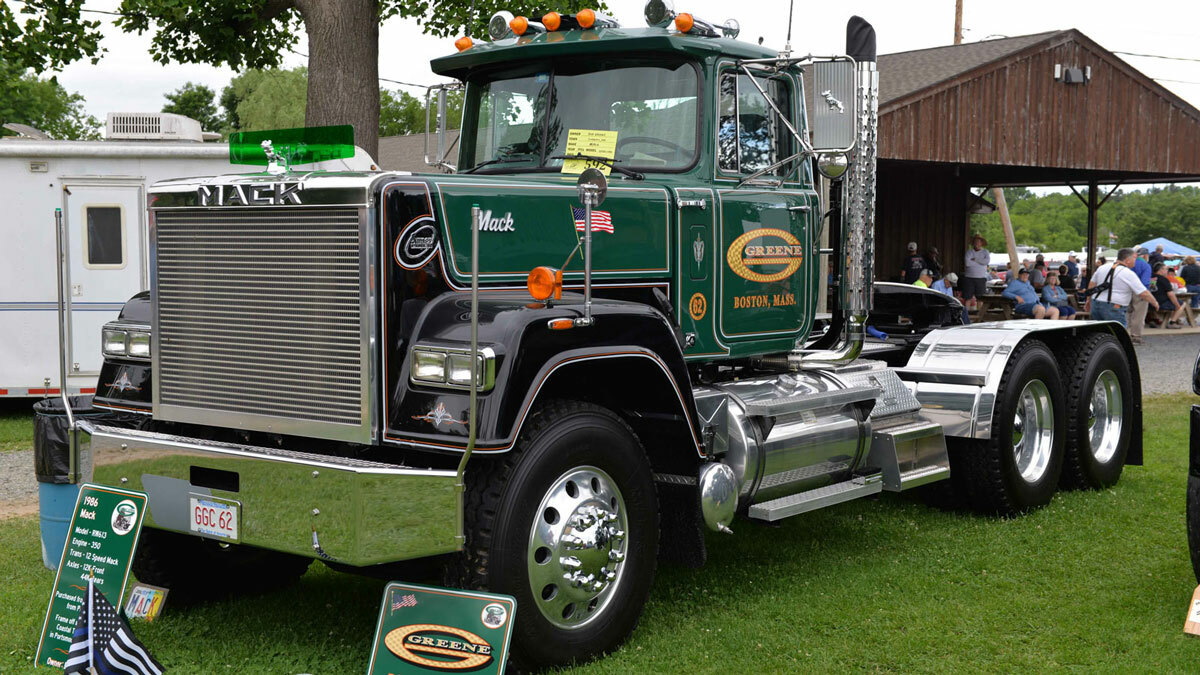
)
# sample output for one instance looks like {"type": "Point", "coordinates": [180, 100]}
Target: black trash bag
{"type": "Point", "coordinates": [51, 439]}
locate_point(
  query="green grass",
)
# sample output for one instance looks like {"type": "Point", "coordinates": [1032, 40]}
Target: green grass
{"type": "Point", "coordinates": [1098, 581]}
{"type": "Point", "coordinates": [16, 424]}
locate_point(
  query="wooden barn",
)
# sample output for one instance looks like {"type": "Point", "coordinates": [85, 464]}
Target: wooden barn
{"type": "Point", "coordinates": [1047, 109]}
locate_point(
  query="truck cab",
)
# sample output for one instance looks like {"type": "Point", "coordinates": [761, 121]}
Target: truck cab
{"type": "Point", "coordinates": [578, 346]}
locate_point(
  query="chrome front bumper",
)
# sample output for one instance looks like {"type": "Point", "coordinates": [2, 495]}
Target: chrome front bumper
{"type": "Point", "coordinates": [346, 510]}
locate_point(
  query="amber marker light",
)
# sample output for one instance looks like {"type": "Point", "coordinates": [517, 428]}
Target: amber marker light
{"type": "Point", "coordinates": [544, 283]}
{"type": "Point", "coordinates": [519, 25]}
{"type": "Point", "coordinates": [561, 324]}
{"type": "Point", "coordinates": [586, 18]}
{"type": "Point", "coordinates": [684, 22]}
{"type": "Point", "coordinates": [464, 43]}
{"type": "Point", "coordinates": [551, 20]}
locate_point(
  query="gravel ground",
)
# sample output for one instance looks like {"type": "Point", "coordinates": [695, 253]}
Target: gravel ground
{"type": "Point", "coordinates": [1166, 363]}
{"type": "Point", "coordinates": [18, 487]}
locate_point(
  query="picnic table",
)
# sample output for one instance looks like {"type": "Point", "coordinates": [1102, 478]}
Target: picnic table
{"type": "Point", "coordinates": [994, 302]}
{"type": "Point", "coordinates": [1186, 298]}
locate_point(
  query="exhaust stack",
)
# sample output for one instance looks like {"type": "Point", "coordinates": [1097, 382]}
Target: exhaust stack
{"type": "Point", "coordinates": [858, 202]}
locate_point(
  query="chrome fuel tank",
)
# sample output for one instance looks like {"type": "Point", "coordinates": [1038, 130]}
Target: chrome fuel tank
{"type": "Point", "coordinates": [786, 433]}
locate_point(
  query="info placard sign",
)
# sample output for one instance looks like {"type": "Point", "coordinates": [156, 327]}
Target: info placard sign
{"type": "Point", "coordinates": [423, 629]}
{"type": "Point", "coordinates": [100, 544]}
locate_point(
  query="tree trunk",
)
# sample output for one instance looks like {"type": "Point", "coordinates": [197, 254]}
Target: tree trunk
{"type": "Point", "coordinates": [343, 66]}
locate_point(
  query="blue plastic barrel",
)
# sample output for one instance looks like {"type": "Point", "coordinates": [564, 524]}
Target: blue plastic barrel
{"type": "Point", "coordinates": [56, 503]}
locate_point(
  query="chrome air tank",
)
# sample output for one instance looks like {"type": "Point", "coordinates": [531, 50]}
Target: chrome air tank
{"type": "Point", "coordinates": [786, 433]}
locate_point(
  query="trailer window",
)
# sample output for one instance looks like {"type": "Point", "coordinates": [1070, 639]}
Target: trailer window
{"type": "Point", "coordinates": [104, 237]}
{"type": "Point", "coordinates": [750, 136]}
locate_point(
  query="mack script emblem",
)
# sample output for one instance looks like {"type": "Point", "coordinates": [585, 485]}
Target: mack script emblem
{"type": "Point", "coordinates": [488, 223]}
{"type": "Point", "coordinates": [417, 244]}
{"type": "Point", "coordinates": [461, 649]}
{"type": "Point", "coordinates": [777, 250]}
{"type": "Point", "coordinates": [250, 194]}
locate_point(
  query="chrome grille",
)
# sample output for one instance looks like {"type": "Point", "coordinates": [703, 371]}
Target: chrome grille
{"type": "Point", "coordinates": [260, 314]}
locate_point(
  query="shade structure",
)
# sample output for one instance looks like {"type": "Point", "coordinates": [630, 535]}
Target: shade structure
{"type": "Point", "coordinates": [1169, 247]}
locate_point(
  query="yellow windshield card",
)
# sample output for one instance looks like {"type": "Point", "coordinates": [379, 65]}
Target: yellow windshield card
{"type": "Point", "coordinates": [592, 142]}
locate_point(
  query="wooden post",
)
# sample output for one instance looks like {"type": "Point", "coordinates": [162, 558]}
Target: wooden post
{"type": "Point", "coordinates": [958, 22]}
{"type": "Point", "coordinates": [1009, 241]}
{"type": "Point", "coordinates": [1092, 223]}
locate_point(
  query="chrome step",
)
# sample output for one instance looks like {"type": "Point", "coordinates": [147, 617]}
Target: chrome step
{"type": "Point", "coordinates": [909, 455]}
{"type": "Point", "coordinates": [834, 398]}
{"type": "Point", "coordinates": [811, 500]}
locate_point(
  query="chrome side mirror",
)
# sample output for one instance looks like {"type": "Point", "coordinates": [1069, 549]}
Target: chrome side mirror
{"type": "Point", "coordinates": [832, 165]}
{"type": "Point", "coordinates": [439, 159]}
{"type": "Point", "coordinates": [833, 114]}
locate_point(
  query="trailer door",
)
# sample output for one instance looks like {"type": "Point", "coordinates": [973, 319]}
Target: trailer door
{"type": "Point", "coordinates": [106, 253]}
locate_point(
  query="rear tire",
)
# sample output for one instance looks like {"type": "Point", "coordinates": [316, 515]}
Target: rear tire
{"type": "Point", "coordinates": [187, 565]}
{"type": "Point", "coordinates": [575, 497]}
{"type": "Point", "coordinates": [1018, 468]}
{"type": "Point", "coordinates": [1099, 409]}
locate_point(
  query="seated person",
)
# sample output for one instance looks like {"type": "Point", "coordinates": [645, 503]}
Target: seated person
{"type": "Point", "coordinates": [1037, 276]}
{"type": "Point", "coordinates": [1021, 291]}
{"type": "Point", "coordinates": [1065, 280]}
{"type": "Point", "coordinates": [1164, 292]}
{"type": "Point", "coordinates": [945, 286]}
{"type": "Point", "coordinates": [1054, 296]}
{"type": "Point", "coordinates": [924, 279]}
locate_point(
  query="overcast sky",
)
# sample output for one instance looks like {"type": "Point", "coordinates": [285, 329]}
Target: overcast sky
{"type": "Point", "coordinates": [127, 80]}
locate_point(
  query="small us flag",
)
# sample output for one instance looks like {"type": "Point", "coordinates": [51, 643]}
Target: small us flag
{"type": "Point", "coordinates": [601, 220]}
{"type": "Point", "coordinates": [403, 601]}
{"type": "Point", "coordinates": [104, 644]}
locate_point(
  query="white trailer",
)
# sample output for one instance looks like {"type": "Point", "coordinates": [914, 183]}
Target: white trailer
{"type": "Point", "coordinates": [101, 188]}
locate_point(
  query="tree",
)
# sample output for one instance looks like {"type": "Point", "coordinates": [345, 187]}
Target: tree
{"type": "Point", "coordinates": [405, 114]}
{"type": "Point", "coordinates": [265, 99]}
{"type": "Point", "coordinates": [194, 101]}
{"type": "Point", "coordinates": [343, 40]}
{"type": "Point", "coordinates": [43, 104]}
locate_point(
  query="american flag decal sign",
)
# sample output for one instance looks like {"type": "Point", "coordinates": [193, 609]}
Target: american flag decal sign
{"type": "Point", "coordinates": [103, 642]}
{"type": "Point", "coordinates": [601, 220]}
{"type": "Point", "coordinates": [402, 601]}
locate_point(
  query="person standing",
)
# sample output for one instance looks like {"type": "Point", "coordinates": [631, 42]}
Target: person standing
{"type": "Point", "coordinates": [1157, 256]}
{"type": "Point", "coordinates": [1137, 304]}
{"type": "Point", "coordinates": [913, 265]}
{"type": "Point", "coordinates": [933, 262]}
{"type": "Point", "coordinates": [1072, 270]}
{"type": "Point", "coordinates": [1190, 273]}
{"type": "Point", "coordinates": [975, 276]}
{"type": "Point", "coordinates": [1122, 284]}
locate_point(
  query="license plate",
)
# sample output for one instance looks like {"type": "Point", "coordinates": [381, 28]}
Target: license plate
{"type": "Point", "coordinates": [214, 517]}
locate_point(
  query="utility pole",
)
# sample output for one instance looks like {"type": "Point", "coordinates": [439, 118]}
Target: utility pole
{"type": "Point", "coordinates": [958, 22]}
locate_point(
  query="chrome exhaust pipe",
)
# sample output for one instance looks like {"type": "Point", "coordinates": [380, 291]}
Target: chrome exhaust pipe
{"type": "Point", "coordinates": [858, 204]}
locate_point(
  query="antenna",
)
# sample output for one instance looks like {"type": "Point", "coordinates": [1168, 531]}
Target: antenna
{"type": "Point", "coordinates": [469, 19]}
{"type": "Point", "coordinates": [787, 48]}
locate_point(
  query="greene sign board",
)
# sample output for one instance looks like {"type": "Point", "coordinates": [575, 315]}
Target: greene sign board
{"type": "Point", "coordinates": [100, 544]}
{"type": "Point", "coordinates": [438, 630]}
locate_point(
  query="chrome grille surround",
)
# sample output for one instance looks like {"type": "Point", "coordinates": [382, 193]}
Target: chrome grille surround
{"type": "Point", "coordinates": [263, 318]}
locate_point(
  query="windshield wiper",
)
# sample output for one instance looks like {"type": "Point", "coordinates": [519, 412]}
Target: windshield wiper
{"type": "Point", "coordinates": [612, 164]}
{"type": "Point", "coordinates": [497, 160]}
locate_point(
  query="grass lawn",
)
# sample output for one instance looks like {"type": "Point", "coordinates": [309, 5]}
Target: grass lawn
{"type": "Point", "coordinates": [16, 424]}
{"type": "Point", "coordinates": [1098, 581]}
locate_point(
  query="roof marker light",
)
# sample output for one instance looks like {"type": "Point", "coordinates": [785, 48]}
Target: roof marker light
{"type": "Point", "coordinates": [551, 20]}
{"type": "Point", "coordinates": [586, 18]}
{"type": "Point", "coordinates": [684, 22]}
{"type": "Point", "coordinates": [463, 43]}
{"type": "Point", "coordinates": [519, 25]}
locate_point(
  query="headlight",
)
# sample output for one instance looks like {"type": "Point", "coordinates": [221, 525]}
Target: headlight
{"type": "Point", "coordinates": [126, 341]}
{"type": "Point", "coordinates": [113, 342]}
{"type": "Point", "coordinates": [450, 367]}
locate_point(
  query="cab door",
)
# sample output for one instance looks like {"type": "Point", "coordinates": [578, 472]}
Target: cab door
{"type": "Point", "coordinates": [105, 250]}
{"type": "Point", "coordinates": [766, 283]}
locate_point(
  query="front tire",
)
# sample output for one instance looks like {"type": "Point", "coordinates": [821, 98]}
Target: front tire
{"type": "Point", "coordinates": [1099, 408]}
{"type": "Point", "coordinates": [567, 523]}
{"type": "Point", "coordinates": [1018, 468]}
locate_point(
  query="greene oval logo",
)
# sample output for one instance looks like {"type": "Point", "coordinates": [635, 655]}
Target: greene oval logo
{"type": "Point", "coordinates": [452, 648]}
{"type": "Point", "coordinates": [765, 255]}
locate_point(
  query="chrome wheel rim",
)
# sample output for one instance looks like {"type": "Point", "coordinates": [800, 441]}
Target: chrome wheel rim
{"type": "Point", "coordinates": [577, 547]}
{"type": "Point", "coordinates": [1104, 416]}
{"type": "Point", "coordinates": [1033, 431]}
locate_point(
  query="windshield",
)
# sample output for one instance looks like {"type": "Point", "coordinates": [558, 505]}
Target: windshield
{"type": "Point", "coordinates": [522, 122]}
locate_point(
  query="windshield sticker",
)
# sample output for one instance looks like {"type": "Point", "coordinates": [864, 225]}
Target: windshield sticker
{"type": "Point", "coordinates": [596, 144]}
{"type": "Point", "coordinates": [541, 78]}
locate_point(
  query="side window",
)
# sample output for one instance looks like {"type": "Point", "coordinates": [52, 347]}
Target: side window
{"type": "Point", "coordinates": [104, 237]}
{"type": "Point", "coordinates": [750, 136]}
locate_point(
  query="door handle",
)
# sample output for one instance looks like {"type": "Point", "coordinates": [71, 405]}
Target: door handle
{"type": "Point", "coordinates": [804, 209]}
{"type": "Point", "coordinates": [702, 204]}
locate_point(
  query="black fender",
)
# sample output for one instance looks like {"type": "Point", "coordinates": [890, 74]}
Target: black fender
{"type": "Point", "coordinates": [628, 360]}
{"type": "Point", "coordinates": [127, 384]}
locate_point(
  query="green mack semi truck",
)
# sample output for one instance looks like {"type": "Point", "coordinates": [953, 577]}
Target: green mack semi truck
{"type": "Point", "coordinates": [550, 381]}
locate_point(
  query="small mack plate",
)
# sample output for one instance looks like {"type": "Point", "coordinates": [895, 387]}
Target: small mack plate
{"type": "Point", "coordinates": [214, 517]}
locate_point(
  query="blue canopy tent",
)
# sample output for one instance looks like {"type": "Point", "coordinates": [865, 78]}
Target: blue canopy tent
{"type": "Point", "coordinates": [1169, 247]}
